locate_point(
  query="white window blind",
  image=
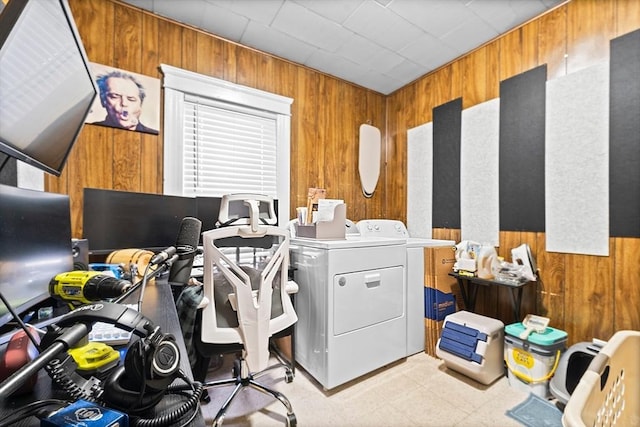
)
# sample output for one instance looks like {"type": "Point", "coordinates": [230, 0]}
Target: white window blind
{"type": "Point", "coordinates": [227, 151]}
{"type": "Point", "coordinates": [222, 138]}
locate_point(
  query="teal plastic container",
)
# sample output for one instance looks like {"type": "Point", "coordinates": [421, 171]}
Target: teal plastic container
{"type": "Point", "coordinates": [532, 362]}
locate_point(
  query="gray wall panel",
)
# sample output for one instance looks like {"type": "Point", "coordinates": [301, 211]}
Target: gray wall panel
{"type": "Point", "coordinates": [624, 136]}
{"type": "Point", "coordinates": [446, 164]}
{"type": "Point", "coordinates": [522, 126]}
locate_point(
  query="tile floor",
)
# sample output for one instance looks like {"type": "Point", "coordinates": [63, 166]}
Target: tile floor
{"type": "Point", "coordinates": [416, 391]}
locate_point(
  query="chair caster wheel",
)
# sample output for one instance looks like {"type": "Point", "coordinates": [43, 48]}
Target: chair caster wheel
{"type": "Point", "coordinates": [291, 420]}
{"type": "Point", "coordinates": [288, 377]}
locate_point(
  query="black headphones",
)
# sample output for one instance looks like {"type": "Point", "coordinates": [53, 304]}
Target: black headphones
{"type": "Point", "coordinates": [151, 364]}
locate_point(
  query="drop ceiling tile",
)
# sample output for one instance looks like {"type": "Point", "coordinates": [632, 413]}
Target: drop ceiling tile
{"type": "Point", "coordinates": [267, 39]}
{"type": "Point", "coordinates": [407, 71]}
{"type": "Point", "coordinates": [428, 51]}
{"type": "Point", "coordinates": [334, 10]}
{"type": "Point", "coordinates": [419, 33]}
{"type": "Point", "coordinates": [381, 83]}
{"type": "Point", "coordinates": [438, 18]}
{"type": "Point", "coordinates": [263, 11]}
{"type": "Point", "coordinates": [190, 11]}
{"type": "Point", "coordinates": [310, 27]}
{"type": "Point", "coordinates": [357, 49]}
{"type": "Point", "coordinates": [469, 34]}
{"type": "Point", "coordinates": [382, 26]}
{"type": "Point", "coordinates": [382, 60]}
{"type": "Point", "coordinates": [223, 22]}
{"type": "Point", "coordinates": [143, 4]}
{"type": "Point", "coordinates": [335, 65]}
{"type": "Point", "coordinates": [504, 16]}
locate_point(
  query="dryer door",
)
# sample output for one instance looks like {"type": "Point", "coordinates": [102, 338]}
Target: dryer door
{"type": "Point", "coordinates": [366, 298]}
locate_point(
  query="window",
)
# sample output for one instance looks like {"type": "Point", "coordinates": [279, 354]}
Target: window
{"type": "Point", "coordinates": [222, 138]}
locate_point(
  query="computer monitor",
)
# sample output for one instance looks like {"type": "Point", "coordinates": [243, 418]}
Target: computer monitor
{"type": "Point", "coordinates": [114, 220]}
{"type": "Point", "coordinates": [35, 246]}
{"type": "Point", "coordinates": [46, 87]}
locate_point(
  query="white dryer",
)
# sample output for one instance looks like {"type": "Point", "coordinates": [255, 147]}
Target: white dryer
{"type": "Point", "coordinates": [377, 228]}
{"type": "Point", "coordinates": [351, 306]}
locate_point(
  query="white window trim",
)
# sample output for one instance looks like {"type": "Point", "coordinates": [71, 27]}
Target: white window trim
{"type": "Point", "coordinates": [179, 83]}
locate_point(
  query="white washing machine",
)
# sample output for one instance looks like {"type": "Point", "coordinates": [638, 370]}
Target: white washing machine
{"type": "Point", "coordinates": [376, 228]}
{"type": "Point", "coordinates": [351, 306]}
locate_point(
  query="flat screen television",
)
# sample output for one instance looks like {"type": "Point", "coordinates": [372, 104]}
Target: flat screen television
{"type": "Point", "coordinates": [35, 246]}
{"type": "Point", "coordinates": [46, 87]}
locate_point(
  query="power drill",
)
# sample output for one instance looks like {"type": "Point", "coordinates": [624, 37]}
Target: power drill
{"type": "Point", "coordinates": [83, 287]}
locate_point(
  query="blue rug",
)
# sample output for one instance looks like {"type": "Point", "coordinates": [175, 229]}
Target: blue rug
{"type": "Point", "coordinates": [536, 412]}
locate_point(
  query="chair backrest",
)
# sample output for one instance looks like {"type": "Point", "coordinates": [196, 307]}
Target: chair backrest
{"type": "Point", "coordinates": [245, 283]}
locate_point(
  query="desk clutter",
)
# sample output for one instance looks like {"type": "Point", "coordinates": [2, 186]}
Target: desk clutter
{"type": "Point", "coordinates": [454, 274]}
{"type": "Point", "coordinates": [103, 357]}
{"type": "Point", "coordinates": [482, 261]}
{"type": "Point", "coordinates": [322, 218]}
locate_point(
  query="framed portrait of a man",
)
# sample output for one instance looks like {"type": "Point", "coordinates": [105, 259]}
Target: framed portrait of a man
{"type": "Point", "coordinates": [126, 100]}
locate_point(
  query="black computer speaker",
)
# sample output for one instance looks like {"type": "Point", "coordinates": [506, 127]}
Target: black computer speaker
{"type": "Point", "coordinates": [80, 251]}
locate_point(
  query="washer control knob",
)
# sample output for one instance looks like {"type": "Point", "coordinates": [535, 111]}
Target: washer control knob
{"type": "Point", "coordinates": [342, 281]}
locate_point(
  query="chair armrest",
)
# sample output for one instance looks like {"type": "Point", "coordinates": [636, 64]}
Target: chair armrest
{"type": "Point", "coordinates": [292, 287]}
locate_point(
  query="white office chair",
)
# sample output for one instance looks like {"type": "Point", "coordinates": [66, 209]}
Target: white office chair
{"type": "Point", "coordinates": [246, 292]}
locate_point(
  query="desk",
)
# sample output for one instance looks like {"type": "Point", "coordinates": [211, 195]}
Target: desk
{"type": "Point", "coordinates": [159, 307]}
{"type": "Point", "coordinates": [469, 288]}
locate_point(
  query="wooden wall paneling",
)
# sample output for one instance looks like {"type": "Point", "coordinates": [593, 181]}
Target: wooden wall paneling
{"type": "Point", "coordinates": [422, 96]}
{"type": "Point", "coordinates": [447, 234]}
{"type": "Point", "coordinates": [127, 161]}
{"type": "Point", "coordinates": [552, 42]}
{"type": "Point", "coordinates": [318, 142]}
{"type": "Point", "coordinates": [150, 47]}
{"type": "Point", "coordinates": [189, 49]}
{"type": "Point", "coordinates": [627, 292]}
{"type": "Point", "coordinates": [92, 168]}
{"type": "Point", "coordinates": [389, 140]}
{"type": "Point", "coordinates": [442, 87]}
{"type": "Point", "coordinates": [151, 151]}
{"type": "Point", "coordinates": [456, 80]}
{"type": "Point", "coordinates": [247, 62]}
{"type": "Point", "coordinates": [345, 154]}
{"type": "Point", "coordinates": [518, 51]}
{"type": "Point", "coordinates": [90, 160]}
{"type": "Point", "coordinates": [266, 73]}
{"type": "Point", "coordinates": [170, 42]}
{"type": "Point", "coordinates": [590, 26]}
{"type": "Point", "coordinates": [589, 302]}
{"type": "Point", "coordinates": [304, 120]}
{"type": "Point", "coordinates": [530, 292]}
{"type": "Point", "coordinates": [493, 71]}
{"type": "Point", "coordinates": [208, 55]}
{"type": "Point", "coordinates": [510, 56]}
{"type": "Point", "coordinates": [328, 149]}
{"type": "Point", "coordinates": [229, 58]}
{"type": "Point", "coordinates": [286, 84]}
{"type": "Point", "coordinates": [396, 149]}
{"type": "Point", "coordinates": [626, 16]}
{"type": "Point", "coordinates": [285, 76]}
{"type": "Point", "coordinates": [474, 78]}
{"type": "Point", "coordinates": [551, 287]}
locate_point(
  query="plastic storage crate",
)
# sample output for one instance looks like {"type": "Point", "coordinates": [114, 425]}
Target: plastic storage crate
{"type": "Point", "coordinates": [532, 362]}
{"type": "Point", "coordinates": [608, 393]}
{"type": "Point", "coordinates": [472, 345]}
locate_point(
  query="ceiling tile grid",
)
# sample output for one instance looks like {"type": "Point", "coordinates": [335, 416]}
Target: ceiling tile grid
{"type": "Point", "coordinates": [378, 44]}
